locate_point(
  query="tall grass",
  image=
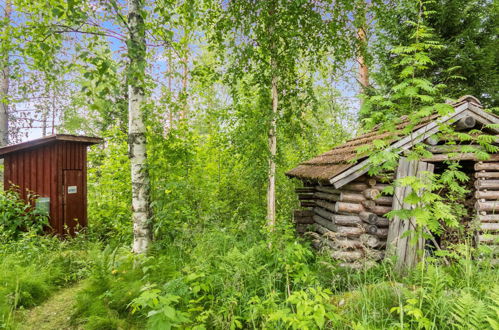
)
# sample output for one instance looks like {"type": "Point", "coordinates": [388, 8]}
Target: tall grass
{"type": "Point", "coordinates": [222, 277]}
{"type": "Point", "coordinates": [32, 267]}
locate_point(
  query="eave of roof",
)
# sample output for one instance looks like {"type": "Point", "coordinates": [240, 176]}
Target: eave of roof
{"type": "Point", "coordinates": [337, 163]}
{"type": "Point", "coordinates": [87, 140]}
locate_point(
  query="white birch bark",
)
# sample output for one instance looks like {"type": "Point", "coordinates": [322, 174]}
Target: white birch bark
{"type": "Point", "coordinates": [136, 130]}
{"type": "Point", "coordinates": [272, 141]}
{"type": "Point", "coordinates": [4, 84]}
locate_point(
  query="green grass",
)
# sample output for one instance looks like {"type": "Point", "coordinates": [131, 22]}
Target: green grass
{"type": "Point", "coordinates": [221, 277]}
{"type": "Point", "coordinates": [33, 267]}
{"type": "Point", "coordinates": [225, 278]}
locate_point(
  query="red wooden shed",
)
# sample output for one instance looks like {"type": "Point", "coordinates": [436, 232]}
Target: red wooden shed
{"type": "Point", "coordinates": [55, 169]}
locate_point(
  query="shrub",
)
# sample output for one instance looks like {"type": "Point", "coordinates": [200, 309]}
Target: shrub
{"type": "Point", "coordinates": [17, 216]}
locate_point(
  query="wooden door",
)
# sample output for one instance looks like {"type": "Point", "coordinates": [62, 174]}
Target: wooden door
{"type": "Point", "coordinates": [399, 243]}
{"type": "Point", "coordinates": [74, 206]}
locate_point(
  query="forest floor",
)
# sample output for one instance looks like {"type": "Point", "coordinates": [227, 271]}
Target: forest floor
{"type": "Point", "coordinates": [53, 314]}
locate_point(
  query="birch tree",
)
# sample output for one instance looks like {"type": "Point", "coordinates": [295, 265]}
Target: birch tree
{"type": "Point", "coordinates": [271, 42]}
{"type": "Point", "coordinates": [136, 45]}
{"type": "Point", "coordinates": [5, 76]}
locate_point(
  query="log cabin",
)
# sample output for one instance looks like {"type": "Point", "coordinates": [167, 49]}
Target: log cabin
{"type": "Point", "coordinates": [344, 211]}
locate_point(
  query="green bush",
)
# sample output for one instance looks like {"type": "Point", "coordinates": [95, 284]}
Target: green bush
{"type": "Point", "coordinates": [18, 216]}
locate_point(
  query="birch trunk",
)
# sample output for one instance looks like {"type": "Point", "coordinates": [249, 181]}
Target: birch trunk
{"type": "Point", "coordinates": [136, 129]}
{"type": "Point", "coordinates": [363, 68]}
{"type": "Point", "coordinates": [363, 76]}
{"type": "Point", "coordinates": [273, 150]}
{"type": "Point", "coordinates": [185, 73]}
{"type": "Point", "coordinates": [4, 83]}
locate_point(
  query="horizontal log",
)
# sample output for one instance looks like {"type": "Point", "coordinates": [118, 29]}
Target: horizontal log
{"type": "Point", "coordinates": [305, 190]}
{"type": "Point", "coordinates": [352, 197]}
{"type": "Point", "coordinates": [327, 196]}
{"type": "Point", "coordinates": [354, 186]}
{"type": "Point", "coordinates": [371, 193]}
{"type": "Point", "coordinates": [487, 175]}
{"type": "Point", "coordinates": [485, 166]}
{"type": "Point", "coordinates": [489, 206]}
{"type": "Point", "coordinates": [488, 239]}
{"type": "Point", "coordinates": [487, 184]}
{"type": "Point", "coordinates": [382, 222]}
{"type": "Point", "coordinates": [489, 218]}
{"type": "Point", "coordinates": [372, 241]}
{"type": "Point", "coordinates": [384, 200]}
{"type": "Point", "coordinates": [349, 207]}
{"type": "Point", "coordinates": [492, 194]}
{"type": "Point", "coordinates": [382, 233]}
{"type": "Point", "coordinates": [306, 196]}
{"type": "Point", "coordinates": [307, 204]}
{"type": "Point", "coordinates": [374, 219]}
{"type": "Point", "coordinates": [461, 156]}
{"type": "Point", "coordinates": [381, 210]}
{"type": "Point", "coordinates": [303, 216]}
{"type": "Point", "coordinates": [369, 204]}
{"type": "Point", "coordinates": [368, 217]}
{"type": "Point", "coordinates": [347, 255]}
{"type": "Point", "coordinates": [339, 230]}
{"type": "Point", "coordinates": [337, 219]}
{"type": "Point", "coordinates": [489, 226]}
{"type": "Point", "coordinates": [325, 205]}
{"type": "Point", "coordinates": [337, 242]}
{"type": "Point", "coordinates": [357, 208]}
{"type": "Point", "coordinates": [351, 244]}
{"type": "Point", "coordinates": [449, 148]}
{"type": "Point", "coordinates": [329, 190]}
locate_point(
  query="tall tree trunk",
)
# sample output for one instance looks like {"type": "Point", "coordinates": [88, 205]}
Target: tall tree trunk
{"type": "Point", "coordinates": [4, 83]}
{"type": "Point", "coordinates": [141, 214]}
{"type": "Point", "coordinates": [363, 68]}
{"type": "Point", "coordinates": [363, 77]}
{"type": "Point", "coordinates": [271, 210]}
{"type": "Point", "coordinates": [185, 72]}
{"type": "Point", "coordinates": [170, 91]}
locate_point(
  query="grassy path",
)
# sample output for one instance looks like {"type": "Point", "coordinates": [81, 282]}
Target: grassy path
{"type": "Point", "coordinates": [53, 314]}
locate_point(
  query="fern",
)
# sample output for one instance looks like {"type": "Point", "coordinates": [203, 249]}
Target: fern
{"type": "Point", "coordinates": [469, 312]}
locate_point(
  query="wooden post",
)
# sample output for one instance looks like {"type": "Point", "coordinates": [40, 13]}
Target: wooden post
{"type": "Point", "coordinates": [399, 244]}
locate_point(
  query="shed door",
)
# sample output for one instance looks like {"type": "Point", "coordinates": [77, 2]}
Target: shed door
{"type": "Point", "coordinates": [74, 211]}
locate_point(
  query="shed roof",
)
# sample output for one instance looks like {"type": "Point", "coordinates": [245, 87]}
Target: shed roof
{"type": "Point", "coordinates": [345, 157]}
{"type": "Point", "coordinates": [88, 140]}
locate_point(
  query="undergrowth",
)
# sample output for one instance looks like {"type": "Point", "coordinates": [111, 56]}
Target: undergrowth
{"type": "Point", "coordinates": [33, 267]}
{"type": "Point", "coordinates": [222, 278]}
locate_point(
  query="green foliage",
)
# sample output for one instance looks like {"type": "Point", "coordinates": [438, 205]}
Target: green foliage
{"type": "Point", "coordinates": [310, 309]}
{"type": "Point", "coordinates": [109, 189]}
{"type": "Point", "coordinates": [464, 63]}
{"type": "Point", "coordinates": [17, 216]}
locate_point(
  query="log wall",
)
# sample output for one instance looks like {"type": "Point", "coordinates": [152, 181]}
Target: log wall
{"type": "Point", "coordinates": [487, 204]}
{"type": "Point", "coordinates": [349, 222]}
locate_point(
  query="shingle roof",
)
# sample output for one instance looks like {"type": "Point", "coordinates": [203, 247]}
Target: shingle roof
{"type": "Point", "coordinates": [328, 165]}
